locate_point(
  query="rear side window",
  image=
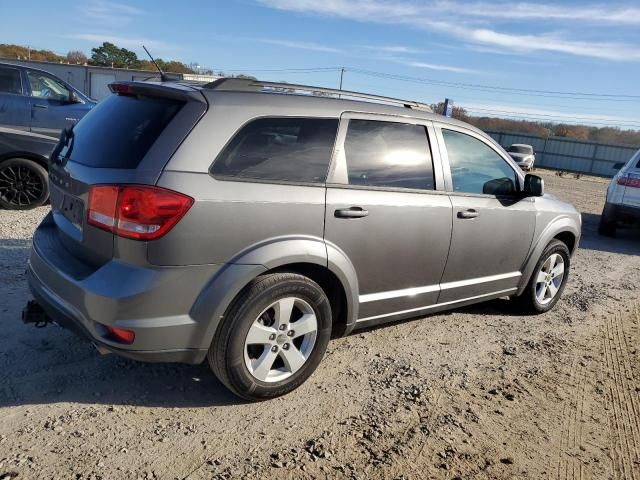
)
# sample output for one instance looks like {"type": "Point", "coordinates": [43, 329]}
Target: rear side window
{"type": "Point", "coordinates": [118, 132]}
{"type": "Point", "coordinates": [280, 149]}
{"type": "Point", "coordinates": [10, 81]}
{"type": "Point", "coordinates": [388, 154]}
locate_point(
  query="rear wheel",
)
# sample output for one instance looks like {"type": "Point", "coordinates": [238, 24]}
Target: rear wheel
{"type": "Point", "coordinates": [273, 336]}
{"type": "Point", "coordinates": [548, 279]}
{"type": "Point", "coordinates": [24, 184]}
{"type": "Point", "coordinates": [607, 225]}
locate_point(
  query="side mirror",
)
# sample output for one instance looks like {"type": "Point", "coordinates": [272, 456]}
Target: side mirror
{"type": "Point", "coordinates": [618, 165]}
{"type": "Point", "coordinates": [533, 186]}
{"type": "Point", "coordinates": [74, 98]}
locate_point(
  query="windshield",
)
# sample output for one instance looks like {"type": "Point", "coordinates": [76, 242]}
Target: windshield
{"type": "Point", "coordinates": [520, 149]}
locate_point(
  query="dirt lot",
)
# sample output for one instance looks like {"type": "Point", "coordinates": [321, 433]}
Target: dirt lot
{"type": "Point", "coordinates": [480, 392]}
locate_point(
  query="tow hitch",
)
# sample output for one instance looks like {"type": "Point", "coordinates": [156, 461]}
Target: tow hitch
{"type": "Point", "coordinates": [34, 313]}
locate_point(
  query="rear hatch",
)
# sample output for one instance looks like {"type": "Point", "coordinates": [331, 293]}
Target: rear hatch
{"type": "Point", "coordinates": [631, 181]}
{"type": "Point", "coordinates": [126, 139]}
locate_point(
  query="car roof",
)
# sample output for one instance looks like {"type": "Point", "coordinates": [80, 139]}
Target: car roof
{"type": "Point", "coordinates": [330, 104]}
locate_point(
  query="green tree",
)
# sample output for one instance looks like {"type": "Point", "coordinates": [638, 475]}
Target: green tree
{"type": "Point", "coordinates": [109, 55]}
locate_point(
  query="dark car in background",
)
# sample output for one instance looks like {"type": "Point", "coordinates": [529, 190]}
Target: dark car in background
{"type": "Point", "coordinates": [23, 168]}
{"type": "Point", "coordinates": [35, 106]}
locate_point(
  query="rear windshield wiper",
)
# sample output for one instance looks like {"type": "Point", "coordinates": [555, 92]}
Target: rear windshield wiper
{"type": "Point", "coordinates": [66, 140]}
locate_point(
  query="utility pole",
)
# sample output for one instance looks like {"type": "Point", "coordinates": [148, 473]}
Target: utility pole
{"type": "Point", "coordinates": [341, 75]}
{"type": "Point", "coordinates": [29, 51]}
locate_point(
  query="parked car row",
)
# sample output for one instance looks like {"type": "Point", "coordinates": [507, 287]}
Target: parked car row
{"type": "Point", "coordinates": [35, 107]}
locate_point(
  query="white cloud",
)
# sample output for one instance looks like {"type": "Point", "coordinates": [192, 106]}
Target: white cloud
{"type": "Point", "coordinates": [456, 19]}
{"type": "Point", "coordinates": [394, 49]}
{"type": "Point", "coordinates": [109, 13]}
{"type": "Point", "coordinates": [299, 45]}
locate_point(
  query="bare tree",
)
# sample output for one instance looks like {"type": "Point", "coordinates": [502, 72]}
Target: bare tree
{"type": "Point", "coordinates": [76, 56]}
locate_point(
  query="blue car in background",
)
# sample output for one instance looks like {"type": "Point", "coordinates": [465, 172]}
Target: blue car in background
{"type": "Point", "coordinates": [35, 106]}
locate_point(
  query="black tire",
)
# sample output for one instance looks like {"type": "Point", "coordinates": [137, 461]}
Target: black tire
{"type": "Point", "coordinates": [607, 225]}
{"type": "Point", "coordinates": [24, 184]}
{"type": "Point", "coordinates": [528, 300]}
{"type": "Point", "coordinates": [226, 353]}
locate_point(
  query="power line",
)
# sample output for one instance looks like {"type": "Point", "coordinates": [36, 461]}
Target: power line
{"type": "Point", "coordinates": [621, 121]}
{"type": "Point", "coordinates": [556, 121]}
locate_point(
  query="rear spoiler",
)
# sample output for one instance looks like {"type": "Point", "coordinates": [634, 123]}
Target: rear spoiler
{"type": "Point", "coordinates": [165, 90]}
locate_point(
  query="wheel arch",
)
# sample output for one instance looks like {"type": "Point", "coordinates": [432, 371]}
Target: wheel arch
{"type": "Point", "coordinates": [306, 255]}
{"type": "Point", "coordinates": [563, 228]}
{"type": "Point", "coordinates": [39, 159]}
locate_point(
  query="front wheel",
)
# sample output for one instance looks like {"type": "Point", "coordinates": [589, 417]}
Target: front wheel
{"type": "Point", "coordinates": [273, 336]}
{"type": "Point", "coordinates": [548, 279]}
{"type": "Point", "coordinates": [24, 184]}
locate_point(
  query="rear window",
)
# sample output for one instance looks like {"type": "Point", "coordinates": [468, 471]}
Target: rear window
{"type": "Point", "coordinates": [280, 149]}
{"type": "Point", "coordinates": [118, 132]}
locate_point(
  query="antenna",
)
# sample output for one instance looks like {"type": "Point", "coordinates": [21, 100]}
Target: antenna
{"type": "Point", "coordinates": [163, 77]}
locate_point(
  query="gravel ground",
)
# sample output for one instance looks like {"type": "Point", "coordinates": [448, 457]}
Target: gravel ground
{"type": "Point", "coordinates": [480, 392]}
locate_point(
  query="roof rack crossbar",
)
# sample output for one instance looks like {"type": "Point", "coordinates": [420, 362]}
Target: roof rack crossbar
{"type": "Point", "coordinates": [248, 85]}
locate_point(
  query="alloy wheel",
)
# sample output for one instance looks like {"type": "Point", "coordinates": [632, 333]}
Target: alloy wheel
{"type": "Point", "coordinates": [549, 278]}
{"type": "Point", "coordinates": [20, 185]}
{"type": "Point", "coordinates": [280, 340]}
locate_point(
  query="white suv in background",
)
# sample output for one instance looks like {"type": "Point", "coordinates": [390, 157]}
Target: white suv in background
{"type": "Point", "coordinates": [623, 197]}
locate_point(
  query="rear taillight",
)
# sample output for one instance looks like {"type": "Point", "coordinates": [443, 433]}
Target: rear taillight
{"type": "Point", "coordinates": [140, 212]}
{"type": "Point", "coordinates": [120, 335]}
{"type": "Point", "coordinates": [629, 181]}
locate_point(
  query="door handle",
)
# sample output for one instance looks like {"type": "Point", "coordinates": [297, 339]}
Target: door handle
{"type": "Point", "coordinates": [40, 105]}
{"type": "Point", "coordinates": [471, 213]}
{"type": "Point", "coordinates": [353, 212]}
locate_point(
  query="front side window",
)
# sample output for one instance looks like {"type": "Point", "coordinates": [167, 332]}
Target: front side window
{"type": "Point", "coordinates": [388, 154]}
{"type": "Point", "coordinates": [476, 167]}
{"type": "Point", "coordinates": [10, 81]}
{"type": "Point", "coordinates": [44, 86]}
{"type": "Point", "coordinates": [280, 149]}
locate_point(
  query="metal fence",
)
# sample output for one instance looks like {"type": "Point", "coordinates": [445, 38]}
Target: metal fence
{"type": "Point", "coordinates": [571, 155]}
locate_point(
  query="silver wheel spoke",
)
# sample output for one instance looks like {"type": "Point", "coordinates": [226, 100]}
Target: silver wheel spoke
{"type": "Point", "coordinates": [283, 310]}
{"type": "Point", "coordinates": [259, 334]}
{"type": "Point", "coordinates": [293, 358]}
{"type": "Point", "coordinates": [263, 364]}
{"type": "Point", "coordinates": [541, 277]}
{"type": "Point", "coordinates": [552, 289]}
{"type": "Point", "coordinates": [306, 324]}
{"type": "Point", "coordinates": [557, 271]}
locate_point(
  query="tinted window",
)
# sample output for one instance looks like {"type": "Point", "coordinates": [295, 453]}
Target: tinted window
{"type": "Point", "coordinates": [10, 81]}
{"type": "Point", "coordinates": [388, 154]}
{"type": "Point", "coordinates": [45, 86]}
{"type": "Point", "coordinates": [118, 132]}
{"type": "Point", "coordinates": [476, 167]}
{"type": "Point", "coordinates": [520, 149]}
{"type": "Point", "coordinates": [280, 149]}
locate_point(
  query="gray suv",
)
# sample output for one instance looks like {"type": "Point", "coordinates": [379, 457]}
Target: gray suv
{"type": "Point", "coordinates": [248, 222]}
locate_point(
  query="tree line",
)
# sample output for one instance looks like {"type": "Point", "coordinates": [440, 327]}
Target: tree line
{"type": "Point", "coordinates": [106, 55]}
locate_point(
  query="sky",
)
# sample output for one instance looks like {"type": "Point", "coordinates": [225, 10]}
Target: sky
{"type": "Point", "coordinates": [571, 61]}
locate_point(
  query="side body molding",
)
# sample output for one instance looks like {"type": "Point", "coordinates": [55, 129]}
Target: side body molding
{"type": "Point", "coordinates": [561, 224]}
{"type": "Point", "coordinates": [216, 297]}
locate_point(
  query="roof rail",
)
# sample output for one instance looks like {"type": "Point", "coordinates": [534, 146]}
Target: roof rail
{"type": "Point", "coordinates": [248, 85]}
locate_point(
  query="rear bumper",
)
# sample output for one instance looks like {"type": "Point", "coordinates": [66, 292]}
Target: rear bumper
{"type": "Point", "coordinates": [154, 302]}
{"type": "Point", "coordinates": [621, 213]}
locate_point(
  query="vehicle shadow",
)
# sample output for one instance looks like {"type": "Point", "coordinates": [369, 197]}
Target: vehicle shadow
{"type": "Point", "coordinates": [50, 365]}
{"type": "Point", "coordinates": [626, 241]}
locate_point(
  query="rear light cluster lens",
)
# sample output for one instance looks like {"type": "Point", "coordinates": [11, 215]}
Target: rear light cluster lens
{"type": "Point", "coordinates": [629, 181]}
{"type": "Point", "coordinates": [120, 335]}
{"type": "Point", "coordinates": [136, 211]}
